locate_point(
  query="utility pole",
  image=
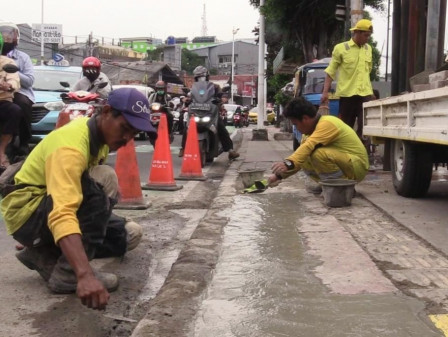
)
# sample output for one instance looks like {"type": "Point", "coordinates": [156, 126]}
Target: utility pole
{"type": "Point", "coordinates": [261, 80]}
{"type": "Point", "coordinates": [42, 53]}
{"type": "Point", "coordinates": [356, 12]}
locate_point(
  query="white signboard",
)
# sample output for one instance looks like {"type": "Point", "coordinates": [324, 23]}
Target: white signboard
{"type": "Point", "coordinates": [52, 33]}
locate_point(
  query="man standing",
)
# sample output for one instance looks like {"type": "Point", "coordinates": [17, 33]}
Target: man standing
{"type": "Point", "coordinates": [353, 60]}
{"type": "Point", "coordinates": [330, 148]}
{"type": "Point", "coordinates": [24, 98]}
{"type": "Point", "coordinates": [60, 205]}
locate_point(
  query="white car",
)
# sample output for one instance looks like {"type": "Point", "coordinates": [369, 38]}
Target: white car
{"type": "Point", "coordinates": [230, 108]}
{"type": "Point", "coordinates": [147, 91]}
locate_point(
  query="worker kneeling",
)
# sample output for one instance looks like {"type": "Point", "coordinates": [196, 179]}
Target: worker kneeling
{"type": "Point", "coordinates": [330, 149]}
{"type": "Point", "coordinates": [60, 205]}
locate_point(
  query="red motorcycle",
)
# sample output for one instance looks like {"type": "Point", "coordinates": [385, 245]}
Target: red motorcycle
{"type": "Point", "coordinates": [240, 119]}
{"type": "Point", "coordinates": [78, 104]}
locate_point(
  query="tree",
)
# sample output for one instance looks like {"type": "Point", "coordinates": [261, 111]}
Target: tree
{"type": "Point", "coordinates": [190, 61]}
{"type": "Point", "coordinates": [306, 29]}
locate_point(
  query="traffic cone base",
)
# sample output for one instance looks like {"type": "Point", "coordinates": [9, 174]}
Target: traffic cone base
{"type": "Point", "coordinates": [161, 177]}
{"type": "Point", "coordinates": [191, 162]}
{"type": "Point", "coordinates": [128, 175]}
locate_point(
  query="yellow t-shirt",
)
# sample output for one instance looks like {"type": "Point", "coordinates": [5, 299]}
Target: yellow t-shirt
{"type": "Point", "coordinates": [352, 64]}
{"type": "Point", "coordinates": [332, 132]}
{"type": "Point", "coordinates": [54, 167]}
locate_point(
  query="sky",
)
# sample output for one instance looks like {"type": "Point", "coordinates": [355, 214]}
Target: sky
{"type": "Point", "coordinates": [139, 18]}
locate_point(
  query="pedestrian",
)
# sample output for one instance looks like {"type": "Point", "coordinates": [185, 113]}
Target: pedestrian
{"type": "Point", "coordinates": [353, 61]}
{"type": "Point", "coordinates": [330, 149]}
{"type": "Point", "coordinates": [60, 205]}
{"type": "Point", "coordinates": [24, 98]}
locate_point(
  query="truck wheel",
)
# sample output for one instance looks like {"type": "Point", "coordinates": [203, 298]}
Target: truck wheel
{"type": "Point", "coordinates": [411, 166]}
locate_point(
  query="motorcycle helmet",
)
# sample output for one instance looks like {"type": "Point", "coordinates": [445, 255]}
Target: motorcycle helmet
{"type": "Point", "coordinates": [91, 68]}
{"type": "Point", "coordinates": [11, 36]}
{"type": "Point", "coordinates": [160, 88]}
{"type": "Point", "coordinates": [200, 73]}
{"type": "Point", "coordinates": [1, 43]}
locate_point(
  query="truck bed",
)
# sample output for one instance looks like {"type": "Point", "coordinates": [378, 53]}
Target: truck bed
{"type": "Point", "coordinates": [418, 116]}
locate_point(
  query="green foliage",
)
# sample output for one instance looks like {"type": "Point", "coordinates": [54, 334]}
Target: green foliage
{"type": "Point", "coordinates": [191, 60]}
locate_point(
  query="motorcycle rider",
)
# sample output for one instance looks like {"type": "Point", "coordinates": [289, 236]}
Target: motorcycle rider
{"type": "Point", "coordinates": [201, 73]}
{"type": "Point", "coordinates": [10, 113]}
{"type": "Point", "coordinates": [160, 96]}
{"type": "Point", "coordinates": [24, 98]}
{"type": "Point", "coordinates": [91, 69]}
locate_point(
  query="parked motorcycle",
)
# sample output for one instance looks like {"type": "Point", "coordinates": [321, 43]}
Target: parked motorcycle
{"type": "Point", "coordinates": [206, 115]}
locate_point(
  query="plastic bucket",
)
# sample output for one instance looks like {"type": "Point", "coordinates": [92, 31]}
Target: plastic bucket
{"type": "Point", "coordinates": [248, 177]}
{"type": "Point", "coordinates": [338, 192]}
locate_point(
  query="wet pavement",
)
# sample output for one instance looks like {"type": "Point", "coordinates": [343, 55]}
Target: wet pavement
{"type": "Point", "coordinates": [290, 266]}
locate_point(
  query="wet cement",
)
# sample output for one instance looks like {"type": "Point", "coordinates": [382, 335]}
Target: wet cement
{"type": "Point", "coordinates": [265, 284]}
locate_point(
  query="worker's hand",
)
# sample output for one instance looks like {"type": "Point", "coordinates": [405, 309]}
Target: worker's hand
{"type": "Point", "coordinates": [92, 292]}
{"type": "Point", "coordinates": [324, 98]}
{"type": "Point", "coordinates": [279, 168]}
{"type": "Point", "coordinates": [273, 180]}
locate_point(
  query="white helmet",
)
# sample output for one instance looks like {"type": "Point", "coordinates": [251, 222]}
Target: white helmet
{"type": "Point", "coordinates": [10, 32]}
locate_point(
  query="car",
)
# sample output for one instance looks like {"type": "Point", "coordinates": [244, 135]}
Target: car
{"type": "Point", "coordinates": [231, 108]}
{"type": "Point", "coordinates": [147, 91]}
{"type": "Point", "coordinates": [253, 115]}
{"type": "Point", "coordinates": [48, 86]}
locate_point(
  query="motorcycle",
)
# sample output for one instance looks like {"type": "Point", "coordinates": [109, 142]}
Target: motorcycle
{"type": "Point", "coordinates": [205, 113]}
{"type": "Point", "coordinates": [157, 109]}
{"type": "Point", "coordinates": [79, 104]}
{"type": "Point", "coordinates": [240, 119]}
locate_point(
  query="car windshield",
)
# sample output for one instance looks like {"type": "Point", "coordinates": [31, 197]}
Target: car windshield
{"type": "Point", "coordinates": [45, 80]}
{"type": "Point", "coordinates": [231, 107]}
{"type": "Point", "coordinates": [315, 79]}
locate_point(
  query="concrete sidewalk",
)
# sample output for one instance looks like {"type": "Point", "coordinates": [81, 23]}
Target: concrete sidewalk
{"type": "Point", "coordinates": [205, 295]}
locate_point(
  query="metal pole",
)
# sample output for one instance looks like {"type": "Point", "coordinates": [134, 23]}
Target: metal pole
{"type": "Point", "coordinates": [234, 31]}
{"type": "Point", "coordinates": [387, 38]}
{"type": "Point", "coordinates": [261, 91]}
{"type": "Point", "coordinates": [432, 35]}
{"type": "Point", "coordinates": [42, 56]}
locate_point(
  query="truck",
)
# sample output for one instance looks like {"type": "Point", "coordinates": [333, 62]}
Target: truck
{"type": "Point", "coordinates": [414, 126]}
{"type": "Point", "coordinates": [413, 123]}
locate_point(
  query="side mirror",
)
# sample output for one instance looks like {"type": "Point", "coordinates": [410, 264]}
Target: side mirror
{"type": "Point", "coordinates": [102, 85]}
{"type": "Point", "coordinates": [10, 68]}
{"type": "Point", "coordinates": [65, 84]}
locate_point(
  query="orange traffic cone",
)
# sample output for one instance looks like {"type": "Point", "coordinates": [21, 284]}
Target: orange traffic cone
{"type": "Point", "coordinates": [126, 167]}
{"type": "Point", "coordinates": [161, 176]}
{"type": "Point", "coordinates": [191, 163]}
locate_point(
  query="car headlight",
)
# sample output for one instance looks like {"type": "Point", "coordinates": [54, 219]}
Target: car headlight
{"type": "Point", "coordinates": [54, 105]}
{"type": "Point", "coordinates": [206, 119]}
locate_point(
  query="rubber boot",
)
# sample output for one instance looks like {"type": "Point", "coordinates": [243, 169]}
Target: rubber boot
{"type": "Point", "coordinates": [63, 279]}
{"type": "Point", "coordinates": [41, 259]}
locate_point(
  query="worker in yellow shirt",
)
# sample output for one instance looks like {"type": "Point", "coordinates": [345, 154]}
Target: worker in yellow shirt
{"type": "Point", "coordinates": [352, 61]}
{"type": "Point", "coordinates": [330, 149]}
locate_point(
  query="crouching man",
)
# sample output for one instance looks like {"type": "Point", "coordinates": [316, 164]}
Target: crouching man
{"type": "Point", "coordinates": [60, 207]}
{"type": "Point", "coordinates": [330, 148]}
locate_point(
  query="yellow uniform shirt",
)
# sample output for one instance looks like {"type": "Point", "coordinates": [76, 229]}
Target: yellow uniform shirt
{"type": "Point", "coordinates": [353, 65]}
{"type": "Point", "coordinates": [54, 167]}
{"type": "Point", "coordinates": [331, 132]}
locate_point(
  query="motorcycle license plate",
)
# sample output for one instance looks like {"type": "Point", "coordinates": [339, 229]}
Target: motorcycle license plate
{"type": "Point", "coordinates": [200, 106]}
{"type": "Point", "coordinates": [79, 106]}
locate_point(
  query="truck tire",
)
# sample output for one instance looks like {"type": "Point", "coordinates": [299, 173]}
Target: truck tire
{"type": "Point", "coordinates": [411, 166]}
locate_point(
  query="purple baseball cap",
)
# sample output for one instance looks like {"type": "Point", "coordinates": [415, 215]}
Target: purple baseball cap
{"type": "Point", "coordinates": [134, 106]}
